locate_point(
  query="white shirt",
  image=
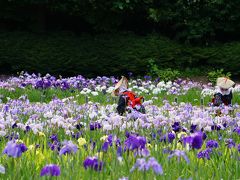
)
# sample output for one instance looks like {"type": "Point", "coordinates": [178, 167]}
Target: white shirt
{"type": "Point", "coordinates": [218, 90]}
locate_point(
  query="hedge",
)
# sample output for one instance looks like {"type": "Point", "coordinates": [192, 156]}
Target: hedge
{"type": "Point", "coordinates": [107, 54]}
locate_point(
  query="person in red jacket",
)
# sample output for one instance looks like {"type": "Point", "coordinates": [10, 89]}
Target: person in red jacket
{"type": "Point", "coordinates": [127, 99]}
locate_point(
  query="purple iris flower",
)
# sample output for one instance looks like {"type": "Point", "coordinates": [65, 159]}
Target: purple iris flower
{"type": "Point", "coordinates": [118, 142]}
{"type": "Point", "coordinates": [14, 125]}
{"type": "Point", "coordinates": [50, 170]}
{"type": "Point", "coordinates": [6, 108]}
{"type": "Point", "coordinates": [39, 84]}
{"type": "Point", "coordinates": [127, 134]}
{"type": "Point", "coordinates": [13, 149]}
{"type": "Point", "coordinates": [65, 85]}
{"type": "Point", "coordinates": [230, 143]}
{"type": "Point", "coordinates": [238, 147]}
{"type": "Point", "coordinates": [237, 130]}
{"type": "Point", "coordinates": [28, 128]}
{"type": "Point", "coordinates": [163, 138]}
{"type": "Point", "coordinates": [105, 146]}
{"type": "Point", "coordinates": [68, 148]}
{"type": "Point", "coordinates": [212, 144]}
{"type": "Point", "coordinates": [46, 83]}
{"type": "Point", "coordinates": [205, 154]}
{"type": "Point", "coordinates": [135, 142]}
{"type": "Point", "coordinates": [159, 132]}
{"type": "Point", "coordinates": [179, 154]}
{"type": "Point", "coordinates": [176, 127]}
{"type": "Point", "coordinates": [109, 142]}
{"type": "Point", "coordinates": [23, 84]}
{"type": "Point", "coordinates": [77, 135]}
{"type": "Point", "coordinates": [195, 140]}
{"type": "Point", "coordinates": [153, 135]}
{"type": "Point", "coordinates": [147, 78]}
{"type": "Point", "coordinates": [167, 137]}
{"type": "Point", "coordinates": [119, 151]}
{"type": "Point", "coordinates": [216, 127]}
{"type": "Point", "coordinates": [110, 139]}
{"type": "Point", "coordinates": [93, 163]}
{"type": "Point", "coordinates": [55, 146]}
{"type": "Point", "coordinates": [95, 125]}
{"type": "Point", "coordinates": [193, 128]}
{"type": "Point", "coordinates": [53, 137]}
{"type": "Point", "coordinates": [204, 135]}
{"type": "Point", "coordinates": [171, 137]}
{"type": "Point", "coordinates": [79, 126]}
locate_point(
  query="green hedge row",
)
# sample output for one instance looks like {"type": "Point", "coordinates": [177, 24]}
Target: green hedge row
{"type": "Point", "coordinates": [111, 54]}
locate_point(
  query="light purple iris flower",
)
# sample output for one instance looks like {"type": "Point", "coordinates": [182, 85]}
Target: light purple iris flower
{"type": "Point", "coordinates": [14, 149]}
{"type": "Point", "coordinates": [179, 154]}
{"type": "Point", "coordinates": [142, 152]}
{"type": "Point", "coordinates": [143, 165]}
{"type": "Point", "coordinates": [230, 143]}
{"type": "Point", "coordinates": [50, 170]}
{"type": "Point", "coordinates": [68, 148]}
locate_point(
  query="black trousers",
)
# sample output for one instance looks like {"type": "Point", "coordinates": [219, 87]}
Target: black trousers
{"type": "Point", "coordinates": [122, 105]}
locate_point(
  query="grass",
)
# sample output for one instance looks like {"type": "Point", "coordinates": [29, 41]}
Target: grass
{"type": "Point", "coordinates": [193, 96]}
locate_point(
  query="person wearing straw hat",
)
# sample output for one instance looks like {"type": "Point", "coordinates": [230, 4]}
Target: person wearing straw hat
{"type": "Point", "coordinates": [223, 92]}
{"type": "Point", "coordinates": [127, 98]}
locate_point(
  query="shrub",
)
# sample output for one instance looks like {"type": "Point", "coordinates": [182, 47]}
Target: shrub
{"type": "Point", "coordinates": [213, 75]}
{"type": "Point", "coordinates": [108, 54]}
{"type": "Point", "coordinates": [167, 74]}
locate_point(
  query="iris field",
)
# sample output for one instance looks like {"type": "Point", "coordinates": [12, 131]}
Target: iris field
{"type": "Point", "coordinates": [68, 128]}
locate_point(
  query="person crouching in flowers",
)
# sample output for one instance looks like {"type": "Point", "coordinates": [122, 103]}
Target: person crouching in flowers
{"type": "Point", "coordinates": [127, 99]}
{"type": "Point", "coordinates": [223, 92]}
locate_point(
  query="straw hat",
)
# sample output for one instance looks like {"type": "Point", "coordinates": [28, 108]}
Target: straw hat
{"type": "Point", "coordinates": [224, 82]}
{"type": "Point", "coordinates": [122, 83]}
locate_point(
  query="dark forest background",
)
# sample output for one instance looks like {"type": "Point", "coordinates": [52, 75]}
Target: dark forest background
{"type": "Point", "coordinates": [112, 37]}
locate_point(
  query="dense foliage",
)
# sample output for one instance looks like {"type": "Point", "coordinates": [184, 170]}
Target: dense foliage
{"type": "Point", "coordinates": [110, 54]}
{"type": "Point", "coordinates": [192, 21]}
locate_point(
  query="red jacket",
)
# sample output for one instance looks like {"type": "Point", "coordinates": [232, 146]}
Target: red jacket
{"type": "Point", "coordinates": [132, 99]}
